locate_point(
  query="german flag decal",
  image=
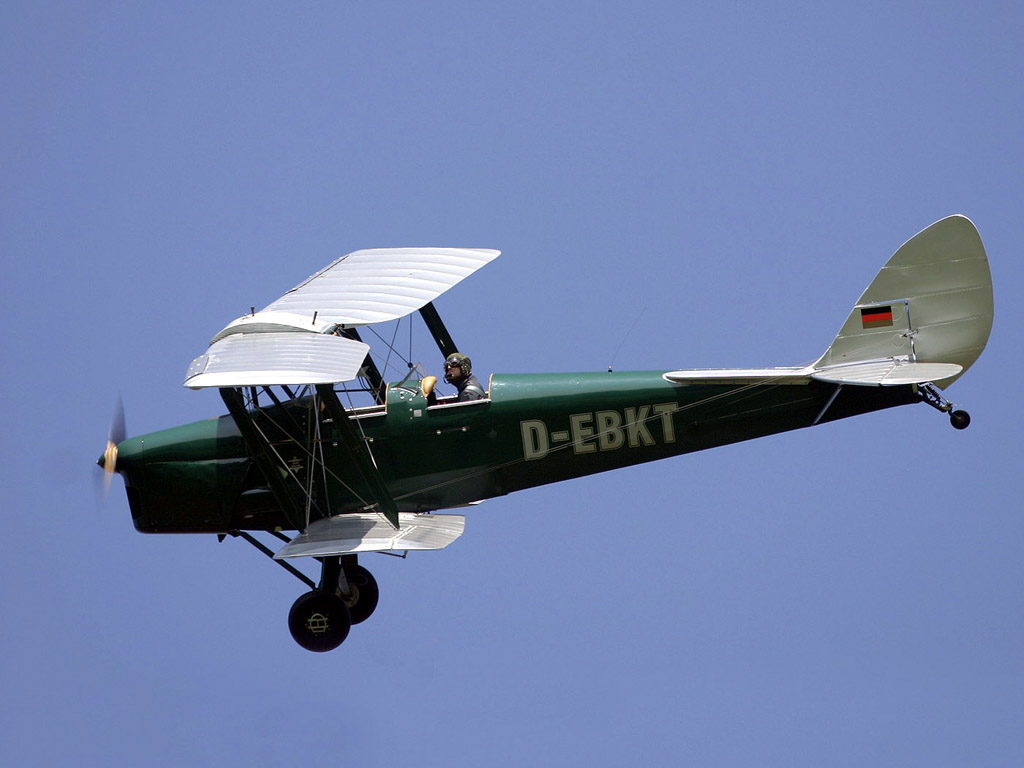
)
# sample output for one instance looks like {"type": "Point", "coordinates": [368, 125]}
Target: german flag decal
{"type": "Point", "coordinates": [876, 317]}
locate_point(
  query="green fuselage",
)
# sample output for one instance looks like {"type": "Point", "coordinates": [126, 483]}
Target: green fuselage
{"type": "Point", "coordinates": [534, 429]}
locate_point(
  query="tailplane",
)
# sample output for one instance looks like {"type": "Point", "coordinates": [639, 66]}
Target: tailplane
{"type": "Point", "coordinates": [926, 317]}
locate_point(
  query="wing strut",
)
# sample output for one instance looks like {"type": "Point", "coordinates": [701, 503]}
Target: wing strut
{"type": "Point", "coordinates": [370, 371]}
{"type": "Point", "coordinates": [262, 455]}
{"type": "Point", "coordinates": [437, 329]}
{"type": "Point", "coordinates": [360, 455]}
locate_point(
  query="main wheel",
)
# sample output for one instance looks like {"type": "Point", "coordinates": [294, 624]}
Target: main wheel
{"type": "Point", "coordinates": [319, 621]}
{"type": "Point", "coordinates": [364, 593]}
{"type": "Point", "coordinates": [960, 419]}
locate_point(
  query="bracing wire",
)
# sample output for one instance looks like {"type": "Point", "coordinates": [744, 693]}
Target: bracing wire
{"type": "Point", "coordinates": [310, 455]}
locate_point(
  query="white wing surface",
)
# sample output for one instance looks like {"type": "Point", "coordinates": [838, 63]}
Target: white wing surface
{"type": "Point", "coordinates": [275, 359]}
{"type": "Point", "coordinates": [371, 286]}
{"type": "Point", "coordinates": [290, 341]}
{"type": "Point", "coordinates": [369, 532]}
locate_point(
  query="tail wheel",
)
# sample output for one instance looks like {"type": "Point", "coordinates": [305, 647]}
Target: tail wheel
{"type": "Point", "coordinates": [363, 593]}
{"type": "Point", "coordinates": [960, 419]}
{"type": "Point", "coordinates": [319, 621]}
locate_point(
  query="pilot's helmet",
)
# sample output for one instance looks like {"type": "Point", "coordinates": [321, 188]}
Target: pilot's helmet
{"type": "Point", "coordinates": [460, 361]}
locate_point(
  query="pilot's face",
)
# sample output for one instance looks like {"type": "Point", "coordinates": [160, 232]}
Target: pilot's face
{"type": "Point", "coordinates": [452, 372]}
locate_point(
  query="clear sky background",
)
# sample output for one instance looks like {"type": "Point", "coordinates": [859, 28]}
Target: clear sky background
{"type": "Point", "coordinates": [693, 186]}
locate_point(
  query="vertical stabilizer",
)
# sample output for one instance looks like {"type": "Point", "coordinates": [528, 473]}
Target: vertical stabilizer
{"type": "Point", "coordinates": [930, 304]}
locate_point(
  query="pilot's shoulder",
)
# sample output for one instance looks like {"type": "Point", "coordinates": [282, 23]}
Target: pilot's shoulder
{"type": "Point", "coordinates": [472, 391]}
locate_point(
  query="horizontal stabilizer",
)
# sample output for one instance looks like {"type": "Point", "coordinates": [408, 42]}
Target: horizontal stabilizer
{"type": "Point", "coordinates": [275, 359]}
{"type": "Point", "coordinates": [369, 532]}
{"type": "Point", "coordinates": [887, 373]}
{"type": "Point", "coordinates": [724, 376]}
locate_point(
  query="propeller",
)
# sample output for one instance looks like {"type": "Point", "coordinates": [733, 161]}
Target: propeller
{"type": "Point", "coordinates": [115, 435]}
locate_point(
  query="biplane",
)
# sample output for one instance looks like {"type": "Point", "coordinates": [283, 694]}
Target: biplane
{"type": "Point", "coordinates": [296, 457]}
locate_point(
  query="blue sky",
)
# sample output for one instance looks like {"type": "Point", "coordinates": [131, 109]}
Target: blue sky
{"type": "Point", "coordinates": [661, 179]}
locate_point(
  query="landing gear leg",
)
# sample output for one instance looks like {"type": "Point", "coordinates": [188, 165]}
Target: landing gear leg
{"type": "Point", "coordinates": [362, 590]}
{"type": "Point", "coordinates": [929, 394]}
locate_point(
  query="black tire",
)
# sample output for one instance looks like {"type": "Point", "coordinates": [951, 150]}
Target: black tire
{"type": "Point", "coordinates": [960, 419]}
{"type": "Point", "coordinates": [319, 621]}
{"type": "Point", "coordinates": [364, 593]}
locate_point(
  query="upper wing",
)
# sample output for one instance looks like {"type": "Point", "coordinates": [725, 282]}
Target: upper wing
{"type": "Point", "coordinates": [289, 341]}
{"type": "Point", "coordinates": [366, 287]}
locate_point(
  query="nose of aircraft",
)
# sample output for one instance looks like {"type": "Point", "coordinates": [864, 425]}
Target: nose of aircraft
{"type": "Point", "coordinates": [121, 457]}
{"type": "Point", "coordinates": [115, 436]}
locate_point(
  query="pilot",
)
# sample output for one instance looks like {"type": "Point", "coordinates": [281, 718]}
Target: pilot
{"type": "Point", "coordinates": [458, 370]}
